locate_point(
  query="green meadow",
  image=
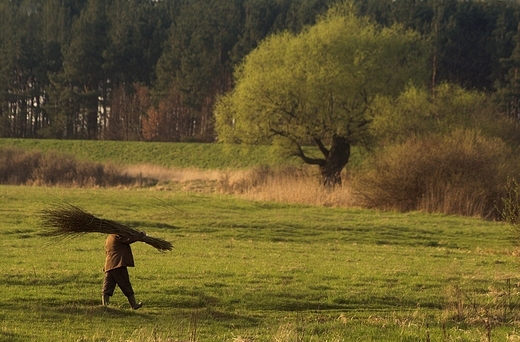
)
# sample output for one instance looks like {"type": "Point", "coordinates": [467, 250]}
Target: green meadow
{"type": "Point", "coordinates": [247, 270]}
{"type": "Point", "coordinates": [175, 155]}
{"type": "Point", "coordinates": [256, 271]}
{"type": "Point", "coordinates": [194, 155]}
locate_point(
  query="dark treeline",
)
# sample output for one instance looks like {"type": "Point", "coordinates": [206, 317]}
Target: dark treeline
{"type": "Point", "coordinates": [151, 70]}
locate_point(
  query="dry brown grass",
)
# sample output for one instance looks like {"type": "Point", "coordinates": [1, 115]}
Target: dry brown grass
{"type": "Point", "coordinates": [184, 179]}
{"type": "Point", "coordinates": [164, 174]}
{"type": "Point", "coordinates": [304, 191]}
{"type": "Point", "coordinates": [287, 185]}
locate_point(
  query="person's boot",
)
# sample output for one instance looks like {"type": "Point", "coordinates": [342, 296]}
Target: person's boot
{"type": "Point", "coordinates": [133, 303]}
{"type": "Point", "coordinates": [105, 300]}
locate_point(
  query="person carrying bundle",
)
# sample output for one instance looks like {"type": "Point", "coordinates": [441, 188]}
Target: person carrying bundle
{"type": "Point", "coordinates": [118, 258]}
{"type": "Point", "coordinates": [67, 220]}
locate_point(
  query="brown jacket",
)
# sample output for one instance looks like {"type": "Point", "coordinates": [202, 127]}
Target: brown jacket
{"type": "Point", "coordinates": [118, 252]}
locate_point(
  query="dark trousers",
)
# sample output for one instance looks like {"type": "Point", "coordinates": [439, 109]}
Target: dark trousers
{"type": "Point", "coordinates": [120, 277]}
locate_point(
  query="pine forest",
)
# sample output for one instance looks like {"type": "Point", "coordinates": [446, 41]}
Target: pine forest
{"type": "Point", "coordinates": [151, 70]}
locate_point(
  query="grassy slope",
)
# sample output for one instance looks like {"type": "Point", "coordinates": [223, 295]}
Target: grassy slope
{"type": "Point", "coordinates": [204, 156]}
{"type": "Point", "coordinates": [244, 271]}
{"type": "Point", "coordinates": [178, 155]}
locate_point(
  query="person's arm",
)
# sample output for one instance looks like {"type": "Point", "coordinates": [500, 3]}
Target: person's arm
{"type": "Point", "coordinates": [132, 239]}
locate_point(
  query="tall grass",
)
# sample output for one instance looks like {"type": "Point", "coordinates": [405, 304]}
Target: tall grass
{"type": "Point", "coordinates": [170, 174]}
{"type": "Point", "coordinates": [285, 184]}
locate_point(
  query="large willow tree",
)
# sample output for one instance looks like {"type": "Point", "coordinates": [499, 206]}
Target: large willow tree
{"type": "Point", "coordinates": [316, 87]}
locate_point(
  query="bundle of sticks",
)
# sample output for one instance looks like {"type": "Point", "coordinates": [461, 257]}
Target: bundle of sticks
{"type": "Point", "coordinates": [70, 220]}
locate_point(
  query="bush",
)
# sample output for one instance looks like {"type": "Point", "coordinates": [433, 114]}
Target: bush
{"type": "Point", "coordinates": [18, 167]}
{"type": "Point", "coordinates": [418, 112]}
{"type": "Point", "coordinates": [461, 173]}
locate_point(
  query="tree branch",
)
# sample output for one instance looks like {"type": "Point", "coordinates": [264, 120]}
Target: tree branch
{"type": "Point", "coordinates": [322, 147]}
{"type": "Point", "coordinates": [312, 161]}
{"type": "Point", "coordinates": [298, 149]}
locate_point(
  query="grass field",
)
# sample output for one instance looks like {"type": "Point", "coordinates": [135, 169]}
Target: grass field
{"type": "Point", "coordinates": [173, 155]}
{"type": "Point", "coordinates": [179, 155]}
{"type": "Point", "coordinates": [256, 271]}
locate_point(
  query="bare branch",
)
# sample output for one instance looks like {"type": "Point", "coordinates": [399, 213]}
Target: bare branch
{"type": "Point", "coordinates": [322, 147]}
{"type": "Point", "coordinates": [312, 161]}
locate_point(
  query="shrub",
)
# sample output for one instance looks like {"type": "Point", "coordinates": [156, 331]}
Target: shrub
{"type": "Point", "coordinates": [18, 167]}
{"type": "Point", "coordinates": [461, 173]}
{"type": "Point", "coordinates": [418, 112]}
{"type": "Point", "coordinates": [53, 168]}
{"type": "Point", "coordinates": [510, 208]}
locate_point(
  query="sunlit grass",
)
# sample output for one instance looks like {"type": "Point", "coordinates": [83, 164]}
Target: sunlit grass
{"type": "Point", "coordinates": [255, 271]}
{"type": "Point", "coordinates": [176, 155]}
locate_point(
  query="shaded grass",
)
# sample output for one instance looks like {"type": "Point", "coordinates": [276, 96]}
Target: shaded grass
{"type": "Point", "coordinates": [249, 270]}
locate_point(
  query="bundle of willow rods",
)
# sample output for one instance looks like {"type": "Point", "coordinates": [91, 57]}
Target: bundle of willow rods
{"type": "Point", "coordinates": [70, 220]}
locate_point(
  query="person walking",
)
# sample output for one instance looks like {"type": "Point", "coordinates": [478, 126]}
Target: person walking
{"type": "Point", "coordinates": [118, 258]}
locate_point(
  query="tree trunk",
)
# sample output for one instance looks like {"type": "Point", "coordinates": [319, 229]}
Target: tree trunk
{"type": "Point", "coordinates": [335, 161]}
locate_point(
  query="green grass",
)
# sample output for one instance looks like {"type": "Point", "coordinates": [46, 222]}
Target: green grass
{"type": "Point", "coordinates": [179, 155]}
{"type": "Point", "coordinates": [252, 271]}
{"type": "Point", "coordinates": [204, 156]}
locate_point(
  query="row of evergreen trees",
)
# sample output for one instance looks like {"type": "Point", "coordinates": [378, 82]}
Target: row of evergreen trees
{"type": "Point", "coordinates": [151, 69]}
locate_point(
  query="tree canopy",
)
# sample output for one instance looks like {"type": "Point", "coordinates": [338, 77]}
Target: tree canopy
{"type": "Point", "coordinates": [68, 67]}
{"type": "Point", "coordinates": [316, 87]}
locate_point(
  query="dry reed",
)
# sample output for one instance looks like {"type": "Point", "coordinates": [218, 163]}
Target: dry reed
{"type": "Point", "coordinates": [70, 220]}
{"type": "Point", "coordinates": [291, 185]}
{"type": "Point", "coordinates": [165, 174]}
